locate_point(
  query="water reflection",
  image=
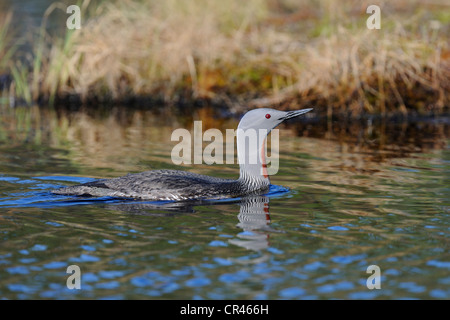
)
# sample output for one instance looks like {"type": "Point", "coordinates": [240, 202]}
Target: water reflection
{"type": "Point", "coordinates": [378, 140]}
{"type": "Point", "coordinates": [361, 193]}
{"type": "Point", "coordinates": [110, 141]}
{"type": "Point", "coordinates": [254, 215]}
{"type": "Point", "coordinates": [254, 219]}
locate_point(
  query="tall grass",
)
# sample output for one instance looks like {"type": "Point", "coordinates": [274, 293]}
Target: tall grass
{"type": "Point", "coordinates": [155, 48]}
{"type": "Point", "coordinates": [255, 53]}
{"type": "Point", "coordinates": [6, 52]}
{"type": "Point", "coordinates": [6, 49]}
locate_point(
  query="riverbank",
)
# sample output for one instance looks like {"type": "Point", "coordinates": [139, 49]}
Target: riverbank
{"type": "Point", "coordinates": [238, 55]}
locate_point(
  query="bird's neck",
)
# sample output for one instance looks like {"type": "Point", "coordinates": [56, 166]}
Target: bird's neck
{"type": "Point", "coordinates": [251, 149]}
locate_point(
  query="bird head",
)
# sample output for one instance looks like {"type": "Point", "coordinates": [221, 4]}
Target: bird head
{"type": "Point", "coordinates": [265, 118]}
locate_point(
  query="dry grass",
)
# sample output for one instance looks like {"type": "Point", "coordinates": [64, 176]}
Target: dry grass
{"type": "Point", "coordinates": [256, 53]}
{"type": "Point", "coordinates": [155, 48]}
{"type": "Point", "coordinates": [6, 49]}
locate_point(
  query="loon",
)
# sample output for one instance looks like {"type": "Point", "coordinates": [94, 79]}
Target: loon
{"type": "Point", "coordinates": [176, 185]}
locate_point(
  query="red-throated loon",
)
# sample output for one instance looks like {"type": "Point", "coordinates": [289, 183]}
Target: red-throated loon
{"type": "Point", "coordinates": [181, 185]}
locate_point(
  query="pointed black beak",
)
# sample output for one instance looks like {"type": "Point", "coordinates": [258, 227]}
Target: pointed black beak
{"type": "Point", "coordinates": [293, 114]}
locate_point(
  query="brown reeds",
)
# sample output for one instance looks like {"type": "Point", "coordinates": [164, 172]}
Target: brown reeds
{"type": "Point", "coordinates": [256, 53]}
{"type": "Point", "coordinates": [6, 49]}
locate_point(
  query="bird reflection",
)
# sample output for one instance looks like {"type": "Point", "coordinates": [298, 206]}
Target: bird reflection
{"type": "Point", "coordinates": [254, 217]}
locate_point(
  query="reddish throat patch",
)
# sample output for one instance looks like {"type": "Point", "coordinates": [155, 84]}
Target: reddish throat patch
{"type": "Point", "coordinates": [263, 160]}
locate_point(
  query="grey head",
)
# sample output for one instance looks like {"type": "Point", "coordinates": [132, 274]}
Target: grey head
{"type": "Point", "coordinates": [257, 124]}
{"type": "Point", "coordinates": [266, 118]}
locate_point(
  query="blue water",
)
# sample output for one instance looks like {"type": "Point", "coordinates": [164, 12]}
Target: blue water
{"type": "Point", "coordinates": [336, 207]}
{"type": "Point", "coordinates": [129, 249]}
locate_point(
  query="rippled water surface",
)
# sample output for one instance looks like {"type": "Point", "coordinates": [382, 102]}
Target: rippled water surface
{"type": "Point", "coordinates": [346, 196]}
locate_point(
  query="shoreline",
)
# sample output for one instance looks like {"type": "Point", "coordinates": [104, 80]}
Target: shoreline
{"type": "Point", "coordinates": [226, 106]}
{"type": "Point", "coordinates": [238, 57]}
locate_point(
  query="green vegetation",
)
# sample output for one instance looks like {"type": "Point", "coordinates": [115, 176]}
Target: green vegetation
{"type": "Point", "coordinates": [281, 53]}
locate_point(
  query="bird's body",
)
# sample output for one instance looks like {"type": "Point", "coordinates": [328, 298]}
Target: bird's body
{"type": "Point", "coordinates": [182, 185]}
{"type": "Point", "coordinates": [160, 185]}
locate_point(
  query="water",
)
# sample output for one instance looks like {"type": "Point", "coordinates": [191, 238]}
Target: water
{"type": "Point", "coordinates": [346, 197]}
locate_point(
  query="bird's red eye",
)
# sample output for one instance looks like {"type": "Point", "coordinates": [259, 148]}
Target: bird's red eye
{"type": "Point", "coordinates": [268, 116]}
